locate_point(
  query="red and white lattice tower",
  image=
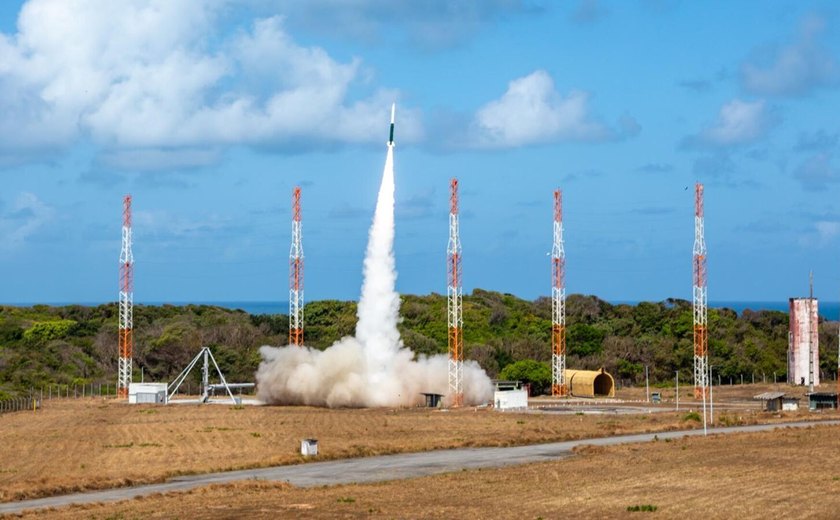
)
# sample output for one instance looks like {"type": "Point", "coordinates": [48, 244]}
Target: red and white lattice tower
{"type": "Point", "coordinates": [126, 331]}
{"type": "Point", "coordinates": [558, 302]}
{"type": "Point", "coordinates": [454, 293]}
{"type": "Point", "coordinates": [296, 275]}
{"type": "Point", "coordinates": [701, 338]}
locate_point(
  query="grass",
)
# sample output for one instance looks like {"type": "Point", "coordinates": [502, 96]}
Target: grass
{"type": "Point", "coordinates": [710, 475]}
{"type": "Point", "coordinates": [95, 444]}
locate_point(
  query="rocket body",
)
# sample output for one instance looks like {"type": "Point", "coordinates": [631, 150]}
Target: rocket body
{"type": "Point", "coordinates": [391, 136]}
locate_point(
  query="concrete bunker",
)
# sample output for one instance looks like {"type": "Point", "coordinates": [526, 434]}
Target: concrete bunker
{"type": "Point", "coordinates": [590, 383]}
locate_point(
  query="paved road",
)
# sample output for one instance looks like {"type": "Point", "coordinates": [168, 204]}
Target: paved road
{"type": "Point", "coordinates": [375, 469]}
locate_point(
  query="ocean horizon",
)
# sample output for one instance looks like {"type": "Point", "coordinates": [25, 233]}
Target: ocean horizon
{"type": "Point", "coordinates": [827, 310]}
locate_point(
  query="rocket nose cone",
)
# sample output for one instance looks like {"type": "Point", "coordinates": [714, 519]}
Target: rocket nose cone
{"type": "Point", "coordinates": [393, 109]}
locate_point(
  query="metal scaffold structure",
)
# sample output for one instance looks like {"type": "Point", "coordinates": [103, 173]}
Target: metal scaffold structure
{"type": "Point", "coordinates": [126, 312]}
{"type": "Point", "coordinates": [207, 389]}
{"type": "Point", "coordinates": [558, 303]}
{"type": "Point", "coordinates": [701, 339]}
{"type": "Point", "coordinates": [296, 275]}
{"type": "Point", "coordinates": [454, 294]}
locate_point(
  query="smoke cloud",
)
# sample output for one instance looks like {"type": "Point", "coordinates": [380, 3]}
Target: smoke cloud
{"type": "Point", "coordinates": [373, 368]}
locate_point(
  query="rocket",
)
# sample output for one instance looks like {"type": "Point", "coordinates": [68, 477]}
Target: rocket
{"type": "Point", "coordinates": [391, 137]}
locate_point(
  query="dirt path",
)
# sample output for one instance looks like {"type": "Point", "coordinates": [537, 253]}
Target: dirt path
{"type": "Point", "coordinates": [381, 468]}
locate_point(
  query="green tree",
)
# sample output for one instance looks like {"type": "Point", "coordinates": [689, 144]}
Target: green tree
{"type": "Point", "coordinates": [534, 373]}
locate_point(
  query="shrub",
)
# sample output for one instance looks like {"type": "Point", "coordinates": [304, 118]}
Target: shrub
{"type": "Point", "coordinates": [644, 507]}
{"type": "Point", "coordinates": [692, 416]}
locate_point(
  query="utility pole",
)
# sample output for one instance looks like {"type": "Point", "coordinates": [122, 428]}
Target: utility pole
{"type": "Point", "coordinates": [678, 390]}
{"type": "Point", "coordinates": [712, 395]}
{"type": "Point", "coordinates": [558, 302]}
{"type": "Point", "coordinates": [296, 275]}
{"type": "Point", "coordinates": [126, 312]}
{"type": "Point", "coordinates": [454, 293]}
{"type": "Point", "coordinates": [647, 385]}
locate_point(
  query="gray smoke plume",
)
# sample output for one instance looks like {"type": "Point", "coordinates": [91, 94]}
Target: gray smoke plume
{"type": "Point", "coordinates": [373, 368]}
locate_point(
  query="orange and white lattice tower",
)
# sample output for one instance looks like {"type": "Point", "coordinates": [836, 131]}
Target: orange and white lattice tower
{"type": "Point", "coordinates": [296, 275]}
{"type": "Point", "coordinates": [558, 302]}
{"type": "Point", "coordinates": [126, 312]}
{"type": "Point", "coordinates": [701, 333]}
{"type": "Point", "coordinates": [454, 293]}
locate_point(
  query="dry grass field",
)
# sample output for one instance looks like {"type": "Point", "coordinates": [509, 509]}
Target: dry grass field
{"type": "Point", "coordinates": [74, 445]}
{"type": "Point", "coordinates": [786, 473]}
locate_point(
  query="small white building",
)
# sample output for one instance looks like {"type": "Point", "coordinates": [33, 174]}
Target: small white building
{"type": "Point", "coordinates": [511, 399]}
{"type": "Point", "coordinates": [147, 393]}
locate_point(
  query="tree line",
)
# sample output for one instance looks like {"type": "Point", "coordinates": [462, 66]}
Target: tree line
{"type": "Point", "coordinates": [75, 344]}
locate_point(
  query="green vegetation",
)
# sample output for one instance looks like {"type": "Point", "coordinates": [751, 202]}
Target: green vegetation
{"type": "Point", "coordinates": [692, 416]}
{"type": "Point", "coordinates": [644, 507]}
{"type": "Point", "coordinates": [509, 337]}
{"type": "Point", "coordinates": [534, 373]}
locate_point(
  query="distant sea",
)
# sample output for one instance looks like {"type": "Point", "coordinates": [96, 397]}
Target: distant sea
{"type": "Point", "coordinates": [249, 307]}
{"type": "Point", "coordinates": [828, 310]}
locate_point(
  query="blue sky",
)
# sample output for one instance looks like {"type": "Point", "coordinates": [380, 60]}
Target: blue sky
{"type": "Point", "coordinates": [209, 113]}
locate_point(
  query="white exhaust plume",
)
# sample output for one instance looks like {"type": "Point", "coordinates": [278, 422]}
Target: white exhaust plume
{"type": "Point", "coordinates": [373, 368]}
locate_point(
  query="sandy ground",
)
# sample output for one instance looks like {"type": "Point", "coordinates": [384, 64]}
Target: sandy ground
{"type": "Point", "coordinates": [769, 475]}
{"type": "Point", "coordinates": [74, 445]}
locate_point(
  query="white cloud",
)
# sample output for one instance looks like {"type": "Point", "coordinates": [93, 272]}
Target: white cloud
{"type": "Point", "coordinates": [738, 122]}
{"type": "Point", "coordinates": [156, 159]}
{"type": "Point", "coordinates": [429, 24]}
{"type": "Point", "coordinates": [153, 74]}
{"type": "Point", "coordinates": [827, 230]}
{"type": "Point", "coordinates": [588, 11]}
{"type": "Point", "coordinates": [531, 111]}
{"type": "Point", "coordinates": [793, 69]}
{"type": "Point", "coordinates": [167, 228]}
{"type": "Point", "coordinates": [817, 172]}
{"type": "Point", "coordinates": [821, 233]}
{"type": "Point", "coordinates": [24, 218]}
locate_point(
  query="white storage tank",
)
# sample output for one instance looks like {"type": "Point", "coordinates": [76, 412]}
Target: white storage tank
{"type": "Point", "coordinates": [511, 399]}
{"type": "Point", "coordinates": [147, 393]}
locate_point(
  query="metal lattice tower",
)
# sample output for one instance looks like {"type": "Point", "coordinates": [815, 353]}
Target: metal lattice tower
{"type": "Point", "coordinates": [454, 293]}
{"type": "Point", "coordinates": [126, 330]}
{"type": "Point", "coordinates": [558, 302]}
{"type": "Point", "coordinates": [296, 275]}
{"type": "Point", "coordinates": [701, 339]}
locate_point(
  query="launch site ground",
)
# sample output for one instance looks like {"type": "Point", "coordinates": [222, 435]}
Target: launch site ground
{"type": "Point", "coordinates": [76, 445]}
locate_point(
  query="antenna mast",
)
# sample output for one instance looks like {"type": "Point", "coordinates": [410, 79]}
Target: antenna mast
{"type": "Point", "coordinates": [454, 293]}
{"type": "Point", "coordinates": [296, 275]}
{"type": "Point", "coordinates": [126, 312]}
{"type": "Point", "coordinates": [558, 302]}
{"type": "Point", "coordinates": [701, 340]}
